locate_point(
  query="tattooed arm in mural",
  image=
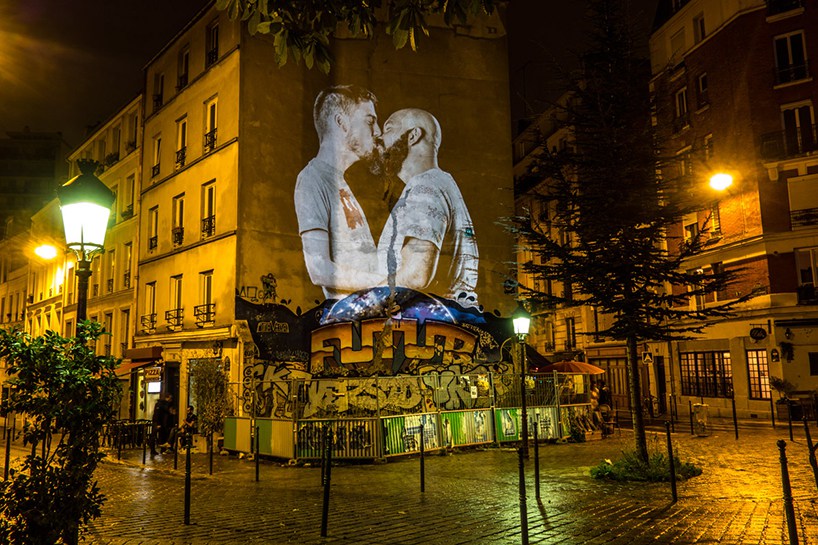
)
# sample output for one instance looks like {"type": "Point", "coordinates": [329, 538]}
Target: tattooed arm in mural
{"type": "Point", "coordinates": [336, 276]}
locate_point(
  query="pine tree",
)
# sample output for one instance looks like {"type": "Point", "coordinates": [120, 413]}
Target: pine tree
{"type": "Point", "coordinates": [610, 200]}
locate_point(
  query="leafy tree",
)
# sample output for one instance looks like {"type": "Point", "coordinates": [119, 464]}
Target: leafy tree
{"type": "Point", "coordinates": [605, 206]}
{"type": "Point", "coordinates": [210, 388]}
{"type": "Point", "coordinates": [303, 28]}
{"type": "Point", "coordinates": [68, 394]}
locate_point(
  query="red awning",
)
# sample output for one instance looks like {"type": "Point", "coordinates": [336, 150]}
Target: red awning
{"type": "Point", "coordinates": [127, 366]}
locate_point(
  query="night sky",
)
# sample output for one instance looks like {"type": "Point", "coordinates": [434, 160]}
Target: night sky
{"type": "Point", "coordinates": [67, 65]}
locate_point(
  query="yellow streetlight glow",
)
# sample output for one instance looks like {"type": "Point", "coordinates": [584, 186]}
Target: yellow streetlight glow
{"type": "Point", "coordinates": [721, 181]}
{"type": "Point", "coordinates": [46, 251]}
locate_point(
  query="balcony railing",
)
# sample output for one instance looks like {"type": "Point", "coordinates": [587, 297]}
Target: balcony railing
{"type": "Point", "coordinates": [205, 314]}
{"type": "Point", "coordinates": [212, 56]}
{"type": "Point", "coordinates": [807, 295]}
{"type": "Point", "coordinates": [180, 157]}
{"type": "Point", "coordinates": [153, 242]}
{"type": "Point", "coordinates": [157, 101]}
{"type": "Point", "coordinates": [210, 141]}
{"type": "Point", "coordinates": [127, 212]}
{"type": "Point", "coordinates": [94, 291]}
{"type": "Point", "coordinates": [774, 7]}
{"type": "Point", "coordinates": [110, 285]}
{"type": "Point", "coordinates": [791, 72]}
{"type": "Point", "coordinates": [680, 122]}
{"type": "Point", "coordinates": [174, 318]}
{"type": "Point", "coordinates": [804, 217]}
{"type": "Point", "coordinates": [126, 280]}
{"type": "Point", "coordinates": [208, 226]}
{"type": "Point", "coordinates": [155, 170]}
{"type": "Point", "coordinates": [789, 143]}
{"type": "Point", "coordinates": [182, 82]}
{"type": "Point", "coordinates": [178, 236]}
{"type": "Point", "coordinates": [148, 323]}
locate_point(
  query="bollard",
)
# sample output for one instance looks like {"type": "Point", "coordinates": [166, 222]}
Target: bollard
{"type": "Point", "coordinates": [536, 463]}
{"type": "Point", "coordinates": [145, 443]}
{"type": "Point", "coordinates": [327, 479]}
{"type": "Point", "coordinates": [789, 417]}
{"type": "Point", "coordinates": [8, 455]}
{"type": "Point", "coordinates": [785, 484]}
{"type": "Point", "coordinates": [812, 461]}
{"type": "Point", "coordinates": [323, 452]}
{"type": "Point", "coordinates": [523, 506]}
{"type": "Point", "coordinates": [187, 479]}
{"type": "Point", "coordinates": [772, 410]}
{"type": "Point", "coordinates": [210, 446]}
{"type": "Point", "coordinates": [690, 408]}
{"type": "Point", "coordinates": [258, 447]}
{"type": "Point", "coordinates": [422, 462]}
{"type": "Point", "coordinates": [672, 464]}
{"type": "Point", "coordinates": [735, 419]}
{"type": "Point", "coordinates": [176, 455]}
{"type": "Point", "coordinates": [119, 441]}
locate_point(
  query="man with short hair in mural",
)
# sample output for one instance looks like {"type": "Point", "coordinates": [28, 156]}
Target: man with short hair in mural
{"type": "Point", "coordinates": [428, 241]}
{"type": "Point", "coordinates": [339, 250]}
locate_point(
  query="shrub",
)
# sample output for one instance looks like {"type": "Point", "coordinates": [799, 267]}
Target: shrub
{"type": "Point", "coordinates": [631, 468]}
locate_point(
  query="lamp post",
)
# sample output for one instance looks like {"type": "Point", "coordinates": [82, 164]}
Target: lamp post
{"type": "Point", "coordinates": [522, 320]}
{"type": "Point", "coordinates": [85, 203]}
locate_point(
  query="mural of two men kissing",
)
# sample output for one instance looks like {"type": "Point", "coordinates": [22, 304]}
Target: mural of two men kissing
{"type": "Point", "coordinates": [401, 297]}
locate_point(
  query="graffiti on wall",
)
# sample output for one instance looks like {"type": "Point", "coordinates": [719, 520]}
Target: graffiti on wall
{"type": "Point", "coordinates": [283, 392]}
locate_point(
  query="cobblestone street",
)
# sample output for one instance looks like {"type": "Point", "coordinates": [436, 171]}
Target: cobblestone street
{"type": "Point", "coordinates": [471, 497]}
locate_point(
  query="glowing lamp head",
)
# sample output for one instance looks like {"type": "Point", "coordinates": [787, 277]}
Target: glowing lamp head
{"type": "Point", "coordinates": [721, 181]}
{"type": "Point", "coordinates": [45, 251]}
{"type": "Point", "coordinates": [521, 320]}
{"type": "Point", "coordinates": [85, 203]}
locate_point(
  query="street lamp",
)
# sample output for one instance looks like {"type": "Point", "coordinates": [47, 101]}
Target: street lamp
{"type": "Point", "coordinates": [522, 320]}
{"type": "Point", "coordinates": [85, 203]}
{"type": "Point", "coordinates": [721, 181]}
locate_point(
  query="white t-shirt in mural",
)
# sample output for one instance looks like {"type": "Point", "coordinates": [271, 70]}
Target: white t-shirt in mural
{"type": "Point", "coordinates": [431, 208]}
{"type": "Point", "coordinates": [323, 200]}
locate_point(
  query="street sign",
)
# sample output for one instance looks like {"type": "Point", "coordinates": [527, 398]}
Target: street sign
{"type": "Point", "coordinates": [647, 357]}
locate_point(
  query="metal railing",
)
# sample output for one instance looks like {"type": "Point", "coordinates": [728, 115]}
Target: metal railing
{"type": "Point", "coordinates": [208, 226]}
{"type": "Point", "coordinates": [174, 317]}
{"type": "Point", "coordinates": [181, 154]}
{"type": "Point", "coordinates": [791, 72]}
{"type": "Point", "coordinates": [789, 143]}
{"type": "Point", "coordinates": [155, 170]}
{"type": "Point", "coordinates": [804, 217]}
{"type": "Point", "coordinates": [148, 322]}
{"type": "Point", "coordinates": [177, 235]}
{"type": "Point", "coordinates": [774, 7]}
{"type": "Point", "coordinates": [205, 314]}
{"type": "Point", "coordinates": [126, 280]}
{"type": "Point", "coordinates": [211, 56]}
{"type": "Point", "coordinates": [807, 295]}
{"type": "Point", "coordinates": [110, 285]}
{"type": "Point", "coordinates": [153, 242]}
{"type": "Point", "coordinates": [210, 141]}
{"type": "Point", "coordinates": [182, 81]}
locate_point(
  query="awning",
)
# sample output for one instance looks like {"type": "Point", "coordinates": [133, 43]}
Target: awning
{"type": "Point", "coordinates": [534, 359]}
{"type": "Point", "coordinates": [127, 366]}
{"type": "Point", "coordinates": [135, 358]}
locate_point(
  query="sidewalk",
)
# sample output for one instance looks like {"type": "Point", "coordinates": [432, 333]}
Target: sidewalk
{"type": "Point", "coordinates": [471, 497]}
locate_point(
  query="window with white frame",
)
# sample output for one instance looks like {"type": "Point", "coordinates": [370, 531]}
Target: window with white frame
{"type": "Point", "coordinates": [176, 291]}
{"type": "Point", "coordinates": [184, 68]}
{"type": "Point", "coordinates": [799, 128]}
{"type": "Point", "coordinates": [157, 155]}
{"type": "Point", "coordinates": [790, 57]}
{"type": "Point", "coordinates": [181, 142]}
{"type": "Point", "coordinates": [758, 373]}
{"type": "Point", "coordinates": [211, 124]}
{"type": "Point", "coordinates": [178, 232]}
{"type": "Point", "coordinates": [153, 228]}
{"type": "Point", "coordinates": [209, 209]}
{"type": "Point", "coordinates": [698, 28]}
{"type": "Point", "coordinates": [706, 374]}
{"type": "Point", "coordinates": [212, 43]}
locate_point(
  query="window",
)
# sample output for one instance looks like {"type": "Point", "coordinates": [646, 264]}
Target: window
{"type": "Point", "coordinates": [806, 263]}
{"type": "Point", "coordinates": [158, 91]}
{"type": "Point", "coordinates": [706, 374]}
{"type": "Point", "coordinates": [695, 288]}
{"type": "Point", "coordinates": [703, 99]}
{"type": "Point", "coordinates": [212, 44]}
{"type": "Point", "coordinates": [715, 220]}
{"type": "Point", "coordinates": [181, 142]}
{"type": "Point", "coordinates": [127, 250]}
{"type": "Point", "coordinates": [799, 129]}
{"type": "Point", "coordinates": [178, 233]}
{"type": "Point", "coordinates": [682, 118]}
{"type": "Point", "coordinates": [111, 255]}
{"type": "Point", "coordinates": [157, 149]}
{"type": "Point", "coordinates": [125, 330]}
{"type": "Point", "coordinates": [790, 58]}
{"type": "Point", "coordinates": [758, 371]}
{"type": "Point", "coordinates": [698, 28]}
{"type": "Point", "coordinates": [101, 151]}
{"type": "Point", "coordinates": [117, 141]}
{"type": "Point", "coordinates": [174, 316]}
{"type": "Point", "coordinates": [184, 68]}
{"type": "Point", "coordinates": [149, 317]}
{"type": "Point", "coordinates": [208, 209]}
{"type": "Point", "coordinates": [107, 325]}
{"type": "Point", "coordinates": [127, 196]}
{"type": "Point", "coordinates": [709, 149]}
{"type": "Point", "coordinates": [205, 312]}
{"type": "Point", "coordinates": [133, 133]}
{"type": "Point", "coordinates": [813, 364]}
{"type": "Point", "coordinates": [153, 228]}
{"type": "Point", "coordinates": [570, 334]}
{"type": "Point", "coordinates": [211, 118]}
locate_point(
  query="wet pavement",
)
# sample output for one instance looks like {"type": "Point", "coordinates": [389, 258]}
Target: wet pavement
{"type": "Point", "coordinates": [471, 497]}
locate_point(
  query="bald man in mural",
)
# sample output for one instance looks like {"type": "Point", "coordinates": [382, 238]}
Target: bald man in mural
{"type": "Point", "coordinates": [339, 250]}
{"type": "Point", "coordinates": [428, 242]}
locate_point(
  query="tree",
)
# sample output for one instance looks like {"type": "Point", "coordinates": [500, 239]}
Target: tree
{"type": "Point", "coordinates": [210, 388]}
{"type": "Point", "coordinates": [66, 392]}
{"type": "Point", "coordinates": [303, 28]}
{"type": "Point", "coordinates": [606, 206]}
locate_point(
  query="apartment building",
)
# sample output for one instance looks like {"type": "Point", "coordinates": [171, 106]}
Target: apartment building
{"type": "Point", "coordinates": [222, 275]}
{"type": "Point", "coordinates": [736, 93]}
